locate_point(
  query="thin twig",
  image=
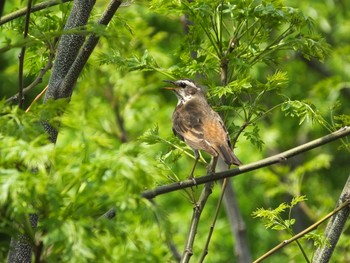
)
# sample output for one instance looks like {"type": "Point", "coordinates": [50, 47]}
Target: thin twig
{"type": "Point", "coordinates": [237, 224]}
{"type": "Point", "coordinates": [21, 56]}
{"type": "Point", "coordinates": [23, 11]}
{"type": "Point", "coordinates": [160, 220]}
{"type": "Point", "coordinates": [304, 232]}
{"type": "Point", "coordinates": [38, 250]}
{"type": "Point", "coordinates": [40, 76]}
{"type": "Point", "coordinates": [110, 214]}
{"type": "Point", "coordinates": [217, 210]}
{"type": "Point", "coordinates": [197, 211]}
{"type": "Point", "coordinates": [281, 157]}
{"type": "Point", "coordinates": [36, 98]}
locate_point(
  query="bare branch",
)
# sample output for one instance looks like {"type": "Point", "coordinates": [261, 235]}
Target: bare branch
{"type": "Point", "coordinates": [64, 88]}
{"type": "Point", "coordinates": [63, 85]}
{"type": "Point", "coordinates": [68, 47]}
{"type": "Point", "coordinates": [344, 206]}
{"type": "Point", "coordinates": [334, 227]}
{"type": "Point", "coordinates": [237, 224]}
{"type": "Point", "coordinates": [197, 211]}
{"type": "Point", "coordinates": [345, 131]}
{"type": "Point", "coordinates": [234, 217]}
{"type": "Point", "coordinates": [21, 57]}
{"type": "Point", "coordinates": [20, 246]}
{"type": "Point", "coordinates": [40, 76]}
{"type": "Point", "coordinates": [36, 99]}
{"type": "Point", "coordinates": [211, 230]}
{"type": "Point", "coordinates": [23, 11]}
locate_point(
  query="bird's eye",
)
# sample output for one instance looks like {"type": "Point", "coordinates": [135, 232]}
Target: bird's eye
{"type": "Point", "coordinates": [183, 85]}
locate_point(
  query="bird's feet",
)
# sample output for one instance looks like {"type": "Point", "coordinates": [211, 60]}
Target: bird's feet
{"type": "Point", "coordinates": [191, 177]}
{"type": "Point", "coordinates": [210, 170]}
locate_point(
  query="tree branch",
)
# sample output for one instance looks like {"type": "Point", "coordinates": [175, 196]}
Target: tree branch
{"type": "Point", "coordinates": [345, 131]}
{"type": "Point", "coordinates": [68, 48]}
{"type": "Point", "coordinates": [66, 87]}
{"type": "Point", "coordinates": [197, 211]}
{"type": "Point", "coordinates": [62, 85]}
{"type": "Point", "coordinates": [21, 244]}
{"type": "Point", "coordinates": [40, 76]}
{"type": "Point", "coordinates": [237, 224]}
{"type": "Point", "coordinates": [21, 57]}
{"type": "Point", "coordinates": [23, 11]}
{"type": "Point", "coordinates": [342, 207]}
{"type": "Point", "coordinates": [216, 214]}
{"type": "Point", "coordinates": [334, 227]}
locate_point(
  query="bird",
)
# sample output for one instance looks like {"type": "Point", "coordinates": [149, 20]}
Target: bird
{"type": "Point", "coordinates": [198, 125]}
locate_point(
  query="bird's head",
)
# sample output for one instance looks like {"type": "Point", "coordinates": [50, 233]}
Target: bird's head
{"type": "Point", "coordinates": [185, 89]}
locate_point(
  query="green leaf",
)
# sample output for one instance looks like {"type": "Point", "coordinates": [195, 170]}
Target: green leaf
{"type": "Point", "coordinates": [298, 199]}
{"type": "Point", "coordinates": [151, 136]}
{"type": "Point", "coordinates": [318, 240]}
{"type": "Point", "coordinates": [254, 137]}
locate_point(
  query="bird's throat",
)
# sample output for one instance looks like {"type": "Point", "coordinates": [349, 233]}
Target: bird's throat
{"type": "Point", "coordinates": [184, 99]}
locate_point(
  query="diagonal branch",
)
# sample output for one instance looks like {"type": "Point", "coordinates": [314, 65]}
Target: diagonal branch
{"type": "Point", "coordinates": [334, 227]}
{"type": "Point", "coordinates": [66, 87]}
{"type": "Point", "coordinates": [40, 76]}
{"type": "Point", "coordinates": [62, 80]}
{"type": "Point", "coordinates": [345, 131]}
{"type": "Point", "coordinates": [37, 7]}
{"type": "Point", "coordinates": [21, 57]}
{"type": "Point", "coordinates": [68, 47]}
{"type": "Point", "coordinates": [197, 211]}
{"type": "Point", "coordinates": [341, 207]}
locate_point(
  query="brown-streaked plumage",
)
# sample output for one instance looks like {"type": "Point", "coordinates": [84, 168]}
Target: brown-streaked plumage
{"type": "Point", "coordinates": [198, 125]}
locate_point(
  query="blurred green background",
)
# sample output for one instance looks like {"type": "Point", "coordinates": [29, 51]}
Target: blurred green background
{"type": "Point", "coordinates": [115, 139]}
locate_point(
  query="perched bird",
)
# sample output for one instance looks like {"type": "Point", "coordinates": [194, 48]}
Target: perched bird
{"type": "Point", "coordinates": [198, 125]}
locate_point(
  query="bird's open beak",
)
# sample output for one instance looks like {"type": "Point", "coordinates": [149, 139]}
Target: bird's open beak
{"type": "Point", "coordinates": [170, 88]}
{"type": "Point", "coordinates": [169, 81]}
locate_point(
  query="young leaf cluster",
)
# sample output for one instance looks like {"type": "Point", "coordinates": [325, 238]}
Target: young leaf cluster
{"type": "Point", "coordinates": [273, 218]}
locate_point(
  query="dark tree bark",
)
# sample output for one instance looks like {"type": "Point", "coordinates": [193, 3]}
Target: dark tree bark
{"type": "Point", "coordinates": [334, 228]}
{"type": "Point", "coordinates": [68, 50]}
{"type": "Point", "coordinates": [73, 57]}
{"type": "Point", "coordinates": [237, 224]}
{"type": "Point", "coordinates": [21, 246]}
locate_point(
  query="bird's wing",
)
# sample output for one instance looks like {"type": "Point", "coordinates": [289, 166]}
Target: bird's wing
{"type": "Point", "coordinates": [188, 126]}
{"type": "Point", "coordinates": [221, 122]}
{"type": "Point", "coordinates": [225, 149]}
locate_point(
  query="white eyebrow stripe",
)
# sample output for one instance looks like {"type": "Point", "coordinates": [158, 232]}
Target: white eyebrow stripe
{"type": "Point", "coordinates": [189, 83]}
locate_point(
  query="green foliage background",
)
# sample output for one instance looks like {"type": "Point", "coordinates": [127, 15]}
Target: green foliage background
{"type": "Point", "coordinates": [288, 83]}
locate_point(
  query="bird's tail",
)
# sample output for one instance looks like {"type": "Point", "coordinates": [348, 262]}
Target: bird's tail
{"type": "Point", "coordinates": [229, 157]}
